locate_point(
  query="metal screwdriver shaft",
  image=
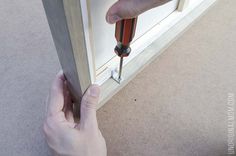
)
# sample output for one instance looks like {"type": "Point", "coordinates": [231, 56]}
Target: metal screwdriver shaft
{"type": "Point", "coordinates": [120, 70]}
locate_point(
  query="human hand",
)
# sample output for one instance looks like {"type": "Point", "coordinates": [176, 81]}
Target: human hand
{"type": "Point", "coordinates": [125, 9]}
{"type": "Point", "coordinates": [63, 135]}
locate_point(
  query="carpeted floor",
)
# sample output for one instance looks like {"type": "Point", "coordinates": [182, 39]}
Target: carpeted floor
{"type": "Point", "coordinates": [177, 106]}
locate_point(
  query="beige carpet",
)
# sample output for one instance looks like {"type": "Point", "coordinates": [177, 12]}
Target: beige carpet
{"type": "Point", "coordinates": [174, 107]}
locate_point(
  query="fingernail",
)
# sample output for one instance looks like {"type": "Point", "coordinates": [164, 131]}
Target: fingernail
{"type": "Point", "coordinates": [94, 91]}
{"type": "Point", "coordinates": [113, 19]}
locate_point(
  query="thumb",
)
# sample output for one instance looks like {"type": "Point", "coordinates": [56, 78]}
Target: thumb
{"type": "Point", "coordinates": [125, 9]}
{"type": "Point", "coordinates": [90, 99]}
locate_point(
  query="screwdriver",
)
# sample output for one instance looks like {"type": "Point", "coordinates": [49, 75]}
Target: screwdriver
{"type": "Point", "coordinates": [124, 34]}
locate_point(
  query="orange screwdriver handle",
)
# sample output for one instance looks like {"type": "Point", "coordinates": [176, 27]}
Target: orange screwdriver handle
{"type": "Point", "coordinates": [124, 33]}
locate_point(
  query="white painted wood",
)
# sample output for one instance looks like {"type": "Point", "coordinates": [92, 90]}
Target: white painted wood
{"type": "Point", "coordinates": [85, 11]}
{"type": "Point", "coordinates": [66, 24]}
{"type": "Point", "coordinates": [69, 42]}
{"type": "Point", "coordinates": [183, 4]}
